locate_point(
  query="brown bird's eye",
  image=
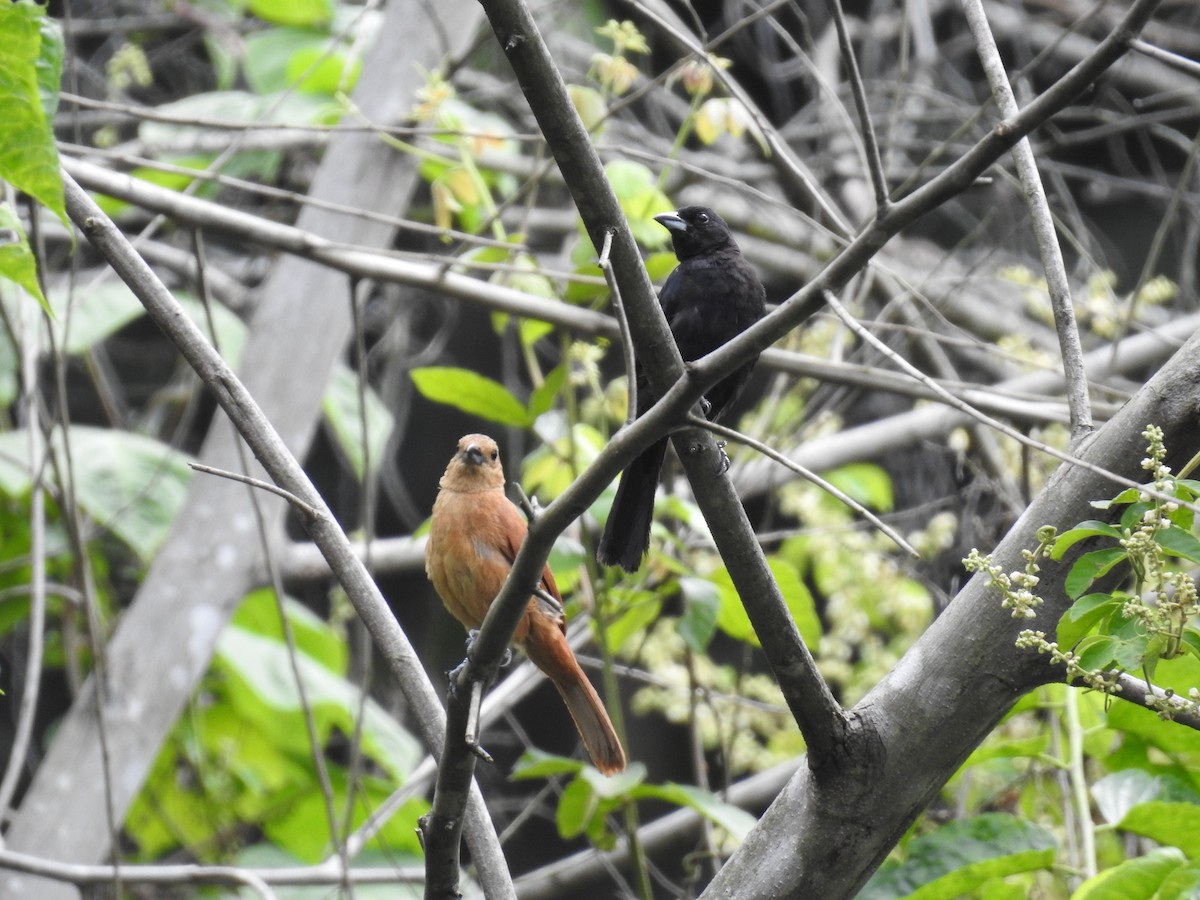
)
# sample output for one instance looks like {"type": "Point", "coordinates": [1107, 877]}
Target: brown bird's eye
{"type": "Point", "coordinates": [495, 455]}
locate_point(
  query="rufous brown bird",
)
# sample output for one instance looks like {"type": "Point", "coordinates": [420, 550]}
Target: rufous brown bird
{"type": "Point", "coordinates": [473, 539]}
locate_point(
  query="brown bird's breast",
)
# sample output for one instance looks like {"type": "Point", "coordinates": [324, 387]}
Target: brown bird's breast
{"type": "Point", "coordinates": [471, 545]}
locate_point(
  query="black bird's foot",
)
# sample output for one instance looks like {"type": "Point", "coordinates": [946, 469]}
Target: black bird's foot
{"type": "Point", "coordinates": [705, 406]}
{"type": "Point", "coordinates": [723, 467]}
{"type": "Point", "coordinates": [507, 658]}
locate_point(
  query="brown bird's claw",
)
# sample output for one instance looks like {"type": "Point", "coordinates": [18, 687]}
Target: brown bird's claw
{"type": "Point", "coordinates": [452, 677]}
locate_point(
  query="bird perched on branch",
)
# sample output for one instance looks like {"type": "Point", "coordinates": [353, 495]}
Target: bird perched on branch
{"type": "Point", "coordinates": [711, 297]}
{"type": "Point", "coordinates": [473, 539]}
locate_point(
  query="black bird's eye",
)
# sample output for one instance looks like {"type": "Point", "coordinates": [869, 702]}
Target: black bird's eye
{"type": "Point", "coordinates": [701, 218]}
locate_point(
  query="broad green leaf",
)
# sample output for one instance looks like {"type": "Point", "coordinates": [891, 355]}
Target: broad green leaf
{"type": "Point", "coordinates": [1084, 615]}
{"type": "Point", "coordinates": [30, 66]}
{"type": "Point", "coordinates": [536, 763]}
{"type": "Point", "coordinates": [634, 618]}
{"type": "Point", "coordinates": [474, 394]}
{"type": "Point", "coordinates": [1118, 793]}
{"type": "Point", "coordinates": [258, 613]}
{"type": "Point", "coordinates": [959, 857]}
{"type": "Point", "coordinates": [589, 104]}
{"type": "Point", "coordinates": [129, 484]}
{"type": "Point", "coordinates": [17, 262]}
{"type": "Point", "coordinates": [614, 787]}
{"type": "Point", "coordinates": [1097, 651]}
{"type": "Point", "coordinates": [1133, 879]}
{"type": "Point", "coordinates": [732, 617]}
{"type": "Point", "coordinates": [1181, 884]}
{"type": "Point", "coordinates": [1171, 824]}
{"type": "Point", "coordinates": [1090, 528]}
{"type": "Point", "coordinates": [543, 397]}
{"type": "Point", "coordinates": [344, 413]}
{"type": "Point", "coordinates": [263, 668]}
{"type": "Point", "coordinates": [226, 106]}
{"type": "Point", "coordinates": [293, 12]}
{"type": "Point", "coordinates": [576, 807]}
{"type": "Point", "coordinates": [733, 819]}
{"type": "Point", "coordinates": [702, 604]}
{"type": "Point", "coordinates": [323, 72]}
{"type": "Point", "coordinates": [867, 483]}
{"type": "Point", "coordinates": [637, 191]}
{"type": "Point", "coordinates": [1091, 566]}
{"type": "Point", "coordinates": [301, 825]}
{"type": "Point", "coordinates": [1178, 542]}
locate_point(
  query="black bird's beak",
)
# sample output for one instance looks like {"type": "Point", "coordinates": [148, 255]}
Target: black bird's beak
{"type": "Point", "coordinates": [473, 455]}
{"type": "Point", "coordinates": [671, 221]}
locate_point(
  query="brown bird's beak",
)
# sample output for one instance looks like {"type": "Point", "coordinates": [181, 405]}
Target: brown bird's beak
{"type": "Point", "coordinates": [473, 455]}
{"type": "Point", "coordinates": [671, 221]}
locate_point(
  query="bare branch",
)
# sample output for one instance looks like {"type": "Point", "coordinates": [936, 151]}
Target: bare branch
{"type": "Point", "coordinates": [1043, 226]}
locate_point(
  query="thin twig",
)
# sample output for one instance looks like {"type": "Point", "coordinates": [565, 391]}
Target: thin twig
{"type": "Point", "coordinates": [1059, 287]}
{"type": "Point", "coordinates": [627, 352]}
{"type": "Point", "coordinates": [808, 475]}
{"type": "Point", "coordinates": [1174, 60]}
{"type": "Point", "coordinates": [311, 512]}
{"type": "Point", "coordinates": [29, 342]}
{"type": "Point", "coordinates": [870, 144]}
{"type": "Point", "coordinates": [950, 399]}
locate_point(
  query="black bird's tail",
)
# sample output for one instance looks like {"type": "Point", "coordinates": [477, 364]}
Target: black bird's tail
{"type": "Point", "coordinates": [627, 533]}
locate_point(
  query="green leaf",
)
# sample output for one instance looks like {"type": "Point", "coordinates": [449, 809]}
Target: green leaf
{"type": "Point", "coordinates": [1178, 542]}
{"type": "Point", "coordinates": [17, 262]}
{"type": "Point", "coordinates": [1091, 566]}
{"type": "Point", "coordinates": [1181, 884]}
{"type": "Point", "coordinates": [867, 483]}
{"type": "Point", "coordinates": [1090, 528]}
{"type": "Point", "coordinates": [536, 763]}
{"type": "Point", "coordinates": [1084, 615]}
{"type": "Point", "coordinates": [262, 667]}
{"type": "Point", "coordinates": [293, 12]}
{"type": "Point", "coordinates": [1133, 879]}
{"type": "Point", "coordinates": [588, 103]}
{"type": "Point", "coordinates": [733, 819]}
{"type": "Point", "coordinates": [959, 857]}
{"type": "Point", "coordinates": [635, 617]}
{"type": "Point", "coordinates": [267, 63]}
{"type": "Point", "coordinates": [732, 617]}
{"type": "Point", "coordinates": [576, 807]}
{"type": "Point", "coordinates": [321, 71]}
{"type": "Point", "coordinates": [344, 413]}
{"type": "Point", "coordinates": [637, 191]}
{"type": "Point", "coordinates": [1118, 793]}
{"type": "Point", "coordinates": [1168, 823]}
{"type": "Point", "coordinates": [1097, 651]}
{"type": "Point", "coordinates": [702, 604]}
{"type": "Point", "coordinates": [130, 484]}
{"type": "Point", "coordinates": [258, 613]}
{"type": "Point", "coordinates": [30, 67]}
{"type": "Point", "coordinates": [474, 394]}
{"type": "Point", "coordinates": [543, 397]}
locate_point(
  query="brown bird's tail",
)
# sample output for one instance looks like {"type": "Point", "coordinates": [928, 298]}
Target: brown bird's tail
{"type": "Point", "coordinates": [550, 652]}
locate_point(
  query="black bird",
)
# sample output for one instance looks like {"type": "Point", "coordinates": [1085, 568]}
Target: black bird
{"type": "Point", "coordinates": [712, 296]}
